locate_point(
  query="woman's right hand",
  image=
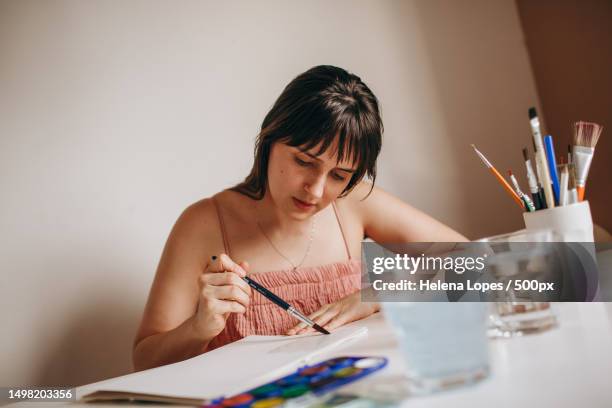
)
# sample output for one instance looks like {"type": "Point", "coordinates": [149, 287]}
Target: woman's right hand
{"type": "Point", "coordinates": [221, 291]}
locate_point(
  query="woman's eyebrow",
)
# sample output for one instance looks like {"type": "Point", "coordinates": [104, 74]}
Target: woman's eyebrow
{"type": "Point", "coordinates": [317, 159]}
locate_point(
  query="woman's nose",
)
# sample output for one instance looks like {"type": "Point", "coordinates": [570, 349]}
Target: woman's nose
{"type": "Point", "coordinates": [315, 186]}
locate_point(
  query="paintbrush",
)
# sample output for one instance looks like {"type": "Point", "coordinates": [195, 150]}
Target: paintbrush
{"type": "Point", "coordinates": [532, 180]}
{"type": "Point", "coordinates": [500, 178]}
{"type": "Point", "coordinates": [572, 193]}
{"type": "Point", "coordinates": [586, 135]}
{"type": "Point", "coordinates": [526, 200]}
{"type": "Point", "coordinates": [563, 185]}
{"type": "Point", "coordinates": [284, 305]}
{"type": "Point", "coordinates": [540, 158]}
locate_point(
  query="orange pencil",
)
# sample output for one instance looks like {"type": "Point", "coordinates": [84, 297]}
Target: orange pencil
{"type": "Point", "coordinates": [500, 178]}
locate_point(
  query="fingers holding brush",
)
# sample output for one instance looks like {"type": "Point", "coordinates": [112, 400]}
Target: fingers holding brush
{"type": "Point", "coordinates": [315, 317]}
{"type": "Point", "coordinates": [223, 263]}
{"type": "Point", "coordinates": [334, 315]}
{"type": "Point", "coordinates": [222, 291]}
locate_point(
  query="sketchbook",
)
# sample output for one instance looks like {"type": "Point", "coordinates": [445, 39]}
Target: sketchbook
{"type": "Point", "coordinates": [222, 372]}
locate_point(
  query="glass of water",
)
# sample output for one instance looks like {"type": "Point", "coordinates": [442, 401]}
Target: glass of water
{"type": "Point", "coordinates": [444, 345]}
{"type": "Point", "coordinates": [522, 256]}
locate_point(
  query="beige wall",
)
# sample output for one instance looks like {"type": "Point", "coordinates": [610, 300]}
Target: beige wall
{"type": "Point", "coordinates": [116, 115]}
{"type": "Point", "coordinates": [570, 45]}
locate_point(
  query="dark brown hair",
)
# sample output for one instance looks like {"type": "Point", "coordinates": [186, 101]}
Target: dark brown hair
{"type": "Point", "coordinates": [319, 105]}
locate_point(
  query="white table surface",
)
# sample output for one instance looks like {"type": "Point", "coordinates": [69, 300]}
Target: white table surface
{"type": "Point", "coordinates": [568, 366]}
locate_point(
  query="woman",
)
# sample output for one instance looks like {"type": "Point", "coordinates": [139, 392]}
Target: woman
{"type": "Point", "coordinates": [295, 225]}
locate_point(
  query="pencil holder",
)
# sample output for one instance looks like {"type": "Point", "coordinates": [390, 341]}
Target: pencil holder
{"type": "Point", "coordinates": [572, 222]}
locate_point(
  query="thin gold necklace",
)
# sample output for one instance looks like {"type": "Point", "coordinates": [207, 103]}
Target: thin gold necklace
{"type": "Point", "coordinates": [294, 266]}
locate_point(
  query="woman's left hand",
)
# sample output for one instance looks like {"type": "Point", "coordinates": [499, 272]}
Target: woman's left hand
{"type": "Point", "coordinates": [333, 315]}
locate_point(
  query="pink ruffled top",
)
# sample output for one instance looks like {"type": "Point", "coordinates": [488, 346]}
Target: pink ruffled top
{"type": "Point", "coordinates": [306, 289]}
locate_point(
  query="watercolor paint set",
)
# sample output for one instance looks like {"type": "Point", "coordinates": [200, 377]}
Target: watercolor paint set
{"type": "Point", "coordinates": [306, 386]}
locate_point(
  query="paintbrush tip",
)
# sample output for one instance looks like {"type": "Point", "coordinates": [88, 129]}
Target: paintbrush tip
{"type": "Point", "coordinates": [586, 133]}
{"type": "Point", "coordinates": [532, 113]}
{"type": "Point", "coordinates": [320, 329]}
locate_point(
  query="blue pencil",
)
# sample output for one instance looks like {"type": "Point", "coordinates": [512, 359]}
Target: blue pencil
{"type": "Point", "coordinates": [552, 165]}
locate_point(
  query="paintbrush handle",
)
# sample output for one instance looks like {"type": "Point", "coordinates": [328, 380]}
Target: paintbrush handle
{"type": "Point", "coordinates": [546, 181]}
{"type": "Point", "coordinates": [552, 167]}
{"type": "Point", "coordinates": [507, 187]}
{"type": "Point", "coordinates": [281, 303]}
{"type": "Point", "coordinates": [266, 293]}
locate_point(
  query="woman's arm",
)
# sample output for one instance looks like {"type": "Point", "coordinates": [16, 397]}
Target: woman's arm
{"type": "Point", "coordinates": [178, 344]}
{"type": "Point", "coordinates": [387, 219]}
{"type": "Point", "coordinates": [167, 332]}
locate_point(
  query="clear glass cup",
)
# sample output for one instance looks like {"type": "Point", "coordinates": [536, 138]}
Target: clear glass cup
{"type": "Point", "coordinates": [444, 345]}
{"type": "Point", "coordinates": [519, 256]}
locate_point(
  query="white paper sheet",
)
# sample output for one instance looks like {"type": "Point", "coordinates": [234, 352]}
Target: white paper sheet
{"type": "Point", "coordinates": [231, 369]}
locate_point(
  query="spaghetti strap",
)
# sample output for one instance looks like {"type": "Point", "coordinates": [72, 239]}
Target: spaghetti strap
{"type": "Point", "coordinates": [348, 251]}
{"type": "Point", "coordinates": [226, 246]}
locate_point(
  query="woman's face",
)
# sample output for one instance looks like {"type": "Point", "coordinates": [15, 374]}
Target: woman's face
{"type": "Point", "coordinates": [301, 183]}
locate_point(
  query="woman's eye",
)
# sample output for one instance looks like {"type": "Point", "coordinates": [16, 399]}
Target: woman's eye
{"type": "Point", "coordinates": [338, 177]}
{"type": "Point", "coordinates": [302, 162]}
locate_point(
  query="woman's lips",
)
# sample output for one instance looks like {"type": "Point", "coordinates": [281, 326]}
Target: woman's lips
{"type": "Point", "coordinates": [301, 204]}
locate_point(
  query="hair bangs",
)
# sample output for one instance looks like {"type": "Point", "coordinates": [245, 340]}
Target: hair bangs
{"type": "Point", "coordinates": [324, 129]}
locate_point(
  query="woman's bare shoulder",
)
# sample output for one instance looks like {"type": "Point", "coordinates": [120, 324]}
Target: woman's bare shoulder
{"type": "Point", "coordinates": [200, 215]}
{"type": "Point", "coordinates": [234, 205]}
{"type": "Point", "coordinates": [386, 218]}
{"type": "Point", "coordinates": [353, 206]}
{"type": "Point", "coordinates": [203, 215]}
{"type": "Point", "coordinates": [358, 200]}
{"type": "Point", "coordinates": [199, 224]}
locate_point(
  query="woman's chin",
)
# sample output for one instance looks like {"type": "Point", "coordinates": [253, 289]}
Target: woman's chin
{"type": "Point", "coordinates": [301, 215]}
